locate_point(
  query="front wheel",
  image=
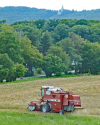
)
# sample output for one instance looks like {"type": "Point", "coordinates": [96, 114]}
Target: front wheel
{"type": "Point", "coordinates": [45, 107]}
{"type": "Point", "coordinates": [31, 108]}
{"type": "Point", "coordinates": [61, 112]}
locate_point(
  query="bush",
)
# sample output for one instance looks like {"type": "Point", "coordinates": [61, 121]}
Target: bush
{"type": "Point", "coordinates": [58, 73]}
{"type": "Point", "coordinates": [53, 64]}
{"type": "Point", "coordinates": [28, 73]}
{"type": "Point", "coordinates": [20, 70]}
{"type": "Point", "coordinates": [39, 70]}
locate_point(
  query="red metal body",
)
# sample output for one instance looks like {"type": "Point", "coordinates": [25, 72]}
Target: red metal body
{"type": "Point", "coordinates": [57, 100]}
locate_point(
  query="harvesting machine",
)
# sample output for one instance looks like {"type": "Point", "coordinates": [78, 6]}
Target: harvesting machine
{"type": "Point", "coordinates": [55, 99]}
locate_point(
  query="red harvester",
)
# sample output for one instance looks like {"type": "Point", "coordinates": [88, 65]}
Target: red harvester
{"type": "Point", "coordinates": [55, 99]}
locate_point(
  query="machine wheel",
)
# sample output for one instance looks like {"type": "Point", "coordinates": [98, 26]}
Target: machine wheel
{"type": "Point", "coordinates": [61, 112]}
{"type": "Point", "coordinates": [50, 106]}
{"type": "Point", "coordinates": [31, 108]}
{"type": "Point", "coordinates": [45, 107]}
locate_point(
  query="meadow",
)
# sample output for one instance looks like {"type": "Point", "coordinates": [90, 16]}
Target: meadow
{"type": "Point", "coordinates": [14, 99]}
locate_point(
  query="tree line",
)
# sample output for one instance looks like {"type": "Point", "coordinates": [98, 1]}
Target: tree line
{"type": "Point", "coordinates": [13, 14]}
{"type": "Point", "coordinates": [54, 46]}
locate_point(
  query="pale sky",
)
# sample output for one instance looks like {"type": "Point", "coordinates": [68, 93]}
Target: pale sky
{"type": "Point", "coordinates": [54, 4]}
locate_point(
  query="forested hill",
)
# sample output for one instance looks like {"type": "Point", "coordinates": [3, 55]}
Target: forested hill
{"type": "Point", "coordinates": [13, 14]}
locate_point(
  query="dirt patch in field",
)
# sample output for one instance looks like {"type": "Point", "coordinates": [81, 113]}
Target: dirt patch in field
{"type": "Point", "coordinates": [16, 96]}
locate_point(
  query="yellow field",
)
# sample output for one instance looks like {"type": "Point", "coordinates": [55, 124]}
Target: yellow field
{"type": "Point", "coordinates": [16, 96]}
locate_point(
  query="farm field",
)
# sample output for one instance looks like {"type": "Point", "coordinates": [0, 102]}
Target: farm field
{"type": "Point", "coordinates": [14, 99]}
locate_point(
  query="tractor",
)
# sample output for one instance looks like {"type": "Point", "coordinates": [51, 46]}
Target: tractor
{"type": "Point", "coordinates": [55, 99]}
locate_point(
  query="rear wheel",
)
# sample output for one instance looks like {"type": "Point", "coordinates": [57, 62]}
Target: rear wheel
{"type": "Point", "coordinates": [45, 107]}
{"type": "Point", "coordinates": [61, 112]}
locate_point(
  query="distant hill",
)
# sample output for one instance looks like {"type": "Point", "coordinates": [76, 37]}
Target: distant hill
{"type": "Point", "coordinates": [13, 14]}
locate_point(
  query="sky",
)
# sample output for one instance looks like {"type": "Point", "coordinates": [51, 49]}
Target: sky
{"type": "Point", "coordinates": [78, 5]}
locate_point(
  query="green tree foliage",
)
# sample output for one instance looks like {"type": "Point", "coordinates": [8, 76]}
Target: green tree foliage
{"type": "Point", "coordinates": [40, 23]}
{"type": "Point", "coordinates": [20, 70]}
{"type": "Point", "coordinates": [39, 70]}
{"type": "Point", "coordinates": [58, 51]}
{"type": "Point", "coordinates": [31, 55]}
{"type": "Point", "coordinates": [9, 70]}
{"type": "Point", "coordinates": [65, 39]}
{"type": "Point", "coordinates": [3, 21]}
{"type": "Point", "coordinates": [91, 58]}
{"type": "Point", "coordinates": [6, 66]}
{"type": "Point", "coordinates": [53, 23]}
{"type": "Point", "coordinates": [10, 53]}
{"type": "Point", "coordinates": [84, 31]}
{"type": "Point", "coordinates": [60, 32]}
{"type": "Point", "coordinates": [52, 64]}
{"type": "Point", "coordinates": [82, 22]}
{"type": "Point", "coordinates": [78, 42]}
{"type": "Point", "coordinates": [29, 29]}
{"type": "Point", "coordinates": [12, 74]}
{"type": "Point", "coordinates": [67, 46]}
{"type": "Point", "coordinates": [3, 73]}
{"type": "Point", "coordinates": [68, 22]}
{"type": "Point", "coordinates": [34, 35]}
{"type": "Point", "coordinates": [96, 32]}
{"type": "Point", "coordinates": [19, 29]}
{"type": "Point", "coordinates": [46, 42]}
{"type": "Point", "coordinates": [6, 27]}
{"type": "Point", "coordinates": [9, 44]}
{"type": "Point", "coordinates": [73, 47]}
{"type": "Point", "coordinates": [50, 25]}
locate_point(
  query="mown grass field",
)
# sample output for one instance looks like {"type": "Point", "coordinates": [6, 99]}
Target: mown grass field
{"type": "Point", "coordinates": [14, 99]}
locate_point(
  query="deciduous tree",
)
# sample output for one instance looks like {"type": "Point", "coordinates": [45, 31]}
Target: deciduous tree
{"type": "Point", "coordinates": [60, 32]}
{"type": "Point", "coordinates": [46, 42]}
{"type": "Point", "coordinates": [91, 58]}
{"type": "Point", "coordinates": [6, 67]}
{"type": "Point", "coordinates": [9, 44]}
{"type": "Point", "coordinates": [58, 51]}
{"type": "Point", "coordinates": [52, 64]}
{"type": "Point", "coordinates": [32, 57]}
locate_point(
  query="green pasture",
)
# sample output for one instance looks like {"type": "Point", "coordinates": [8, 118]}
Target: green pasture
{"type": "Point", "coordinates": [13, 118]}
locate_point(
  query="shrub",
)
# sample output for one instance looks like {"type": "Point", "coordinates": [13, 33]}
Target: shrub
{"type": "Point", "coordinates": [39, 70]}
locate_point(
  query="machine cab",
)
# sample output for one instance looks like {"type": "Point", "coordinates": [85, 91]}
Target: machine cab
{"type": "Point", "coordinates": [45, 88]}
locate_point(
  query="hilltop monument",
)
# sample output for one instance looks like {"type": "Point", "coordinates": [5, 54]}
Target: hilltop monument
{"type": "Point", "coordinates": [61, 10]}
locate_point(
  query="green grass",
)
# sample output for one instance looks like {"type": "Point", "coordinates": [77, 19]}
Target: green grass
{"type": "Point", "coordinates": [44, 77]}
{"type": "Point", "coordinates": [13, 118]}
